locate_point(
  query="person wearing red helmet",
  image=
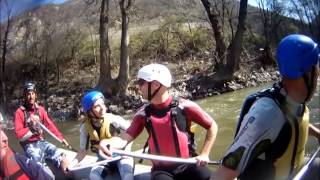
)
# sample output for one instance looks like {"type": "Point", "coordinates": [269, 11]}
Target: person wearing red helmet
{"type": "Point", "coordinates": [99, 125]}
{"type": "Point", "coordinates": [168, 120]}
{"type": "Point", "coordinates": [273, 126]}
{"type": "Point", "coordinates": [30, 134]}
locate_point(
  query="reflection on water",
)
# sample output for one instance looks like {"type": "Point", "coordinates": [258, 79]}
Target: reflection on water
{"type": "Point", "coordinates": [223, 108]}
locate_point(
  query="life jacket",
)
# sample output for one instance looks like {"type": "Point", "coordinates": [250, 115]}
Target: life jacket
{"type": "Point", "coordinates": [26, 113]}
{"type": "Point", "coordinates": [10, 169]}
{"type": "Point", "coordinates": [178, 120]}
{"type": "Point", "coordinates": [106, 131]}
{"type": "Point", "coordinates": [286, 161]}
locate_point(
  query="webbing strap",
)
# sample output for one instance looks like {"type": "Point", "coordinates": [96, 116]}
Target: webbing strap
{"type": "Point", "coordinates": [174, 131]}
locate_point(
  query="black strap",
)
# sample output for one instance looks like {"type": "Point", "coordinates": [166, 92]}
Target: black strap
{"type": "Point", "coordinates": [1, 173]}
{"type": "Point", "coordinates": [153, 134]}
{"type": "Point", "coordinates": [174, 131]}
{"type": "Point", "coordinates": [15, 175]}
{"type": "Point", "coordinates": [178, 120]}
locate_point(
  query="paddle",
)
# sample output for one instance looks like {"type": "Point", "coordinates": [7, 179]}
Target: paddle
{"type": "Point", "coordinates": [160, 158]}
{"type": "Point", "coordinates": [104, 162]}
{"type": "Point", "coordinates": [304, 169]}
{"type": "Point", "coordinates": [53, 135]}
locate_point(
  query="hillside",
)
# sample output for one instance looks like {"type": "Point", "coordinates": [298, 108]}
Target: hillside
{"type": "Point", "coordinates": [62, 41]}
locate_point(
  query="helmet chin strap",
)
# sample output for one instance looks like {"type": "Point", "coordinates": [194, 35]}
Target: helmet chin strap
{"type": "Point", "coordinates": [309, 83]}
{"type": "Point", "coordinates": [150, 96]}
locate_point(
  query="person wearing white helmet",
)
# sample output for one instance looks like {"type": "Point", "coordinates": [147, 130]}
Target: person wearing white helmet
{"type": "Point", "coordinates": [168, 122]}
{"type": "Point", "coordinates": [273, 126]}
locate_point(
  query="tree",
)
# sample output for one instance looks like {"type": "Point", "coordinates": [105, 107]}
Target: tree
{"type": "Point", "coordinates": [4, 38]}
{"type": "Point", "coordinates": [109, 85]}
{"type": "Point", "coordinates": [233, 59]}
{"type": "Point", "coordinates": [229, 58]}
{"type": "Point", "coordinates": [125, 6]}
{"type": "Point", "coordinates": [271, 13]}
{"type": "Point", "coordinates": [216, 28]}
{"type": "Point", "coordinates": [308, 12]}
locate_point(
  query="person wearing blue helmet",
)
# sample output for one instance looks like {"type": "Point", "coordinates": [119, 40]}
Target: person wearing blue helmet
{"type": "Point", "coordinates": [273, 126]}
{"type": "Point", "coordinates": [98, 125]}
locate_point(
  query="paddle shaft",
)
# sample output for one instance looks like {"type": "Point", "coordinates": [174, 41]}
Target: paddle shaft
{"type": "Point", "coordinates": [104, 162]}
{"type": "Point", "coordinates": [160, 158]}
{"type": "Point", "coordinates": [304, 169]}
{"type": "Point", "coordinates": [53, 135]}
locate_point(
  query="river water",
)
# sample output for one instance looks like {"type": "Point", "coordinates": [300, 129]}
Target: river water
{"type": "Point", "coordinates": [223, 108]}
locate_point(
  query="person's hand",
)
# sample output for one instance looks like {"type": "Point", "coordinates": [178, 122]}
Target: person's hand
{"type": "Point", "coordinates": [35, 128]}
{"type": "Point", "coordinates": [105, 149]}
{"type": "Point", "coordinates": [202, 160]}
{"type": "Point", "coordinates": [64, 164]}
{"type": "Point", "coordinates": [65, 142]}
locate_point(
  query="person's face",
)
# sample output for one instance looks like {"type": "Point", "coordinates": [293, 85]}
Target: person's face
{"type": "Point", "coordinates": [99, 108]}
{"type": "Point", "coordinates": [3, 143]}
{"type": "Point", "coordinates": [30, 97]}
{"type": "Point", "coordinates": [143, 86]}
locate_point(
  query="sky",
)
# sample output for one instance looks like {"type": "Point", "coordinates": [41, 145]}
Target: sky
{"type": "Point", "coordinates": [253, 2]}
{"type": "Point", "coordinates": [19, 6]}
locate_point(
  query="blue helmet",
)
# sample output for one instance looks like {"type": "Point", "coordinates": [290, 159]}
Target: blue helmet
{"type": "Point", "coordinates": [89, 99]}
{"type": "Point", "coordinates": [296, 54]}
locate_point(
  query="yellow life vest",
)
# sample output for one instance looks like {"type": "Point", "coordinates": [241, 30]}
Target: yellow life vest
{"type": "Point", "coordinates": [283, 163]}
{"type": "Point", "coordinates": [105, 133]}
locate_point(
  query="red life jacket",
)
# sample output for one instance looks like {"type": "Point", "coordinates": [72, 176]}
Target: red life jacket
{"type": "Point", "coordinates": [10, 169]}
{"type": "Point", "coordinates": [178, 124]}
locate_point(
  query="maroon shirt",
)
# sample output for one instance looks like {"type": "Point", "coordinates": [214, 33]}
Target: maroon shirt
{"type": "Point", "coordinates": [163, 130]}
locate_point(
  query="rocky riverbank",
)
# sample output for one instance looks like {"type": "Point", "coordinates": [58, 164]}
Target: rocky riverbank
{"type": "Point", "coordinates": [63, 103]}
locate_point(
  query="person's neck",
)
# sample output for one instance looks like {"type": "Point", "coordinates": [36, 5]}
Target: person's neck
{"type": "Point", "coordinates": [160, 98]}
{"type": "Point", "coordinates": [296, 89]}
{"type": "Point", "coordinates": [29, 106]}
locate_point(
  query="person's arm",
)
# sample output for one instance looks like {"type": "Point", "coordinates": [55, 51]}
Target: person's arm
{"type": "Point", "coordinates": [82, 148]}
{"type": "Point", "coordinates": [203, 157]}
{"type": "Point", "coordinates": [33, 169]}
{"type": "Point", "coordinates": [78, 158]}
{"type": "Point", "coordinates": [106, 145]}
{"type": "Point", "coordinates": [224, 173]}
{"type": "Point", "coordinates": [195, 113]}
{"type": "Point", "coordinates": [22, 133]}
{"type": "Point", "coordinates": [49, 123]}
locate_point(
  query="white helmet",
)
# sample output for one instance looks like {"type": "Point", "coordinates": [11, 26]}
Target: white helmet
{"type": "Point", "coordinates": [155, 72]}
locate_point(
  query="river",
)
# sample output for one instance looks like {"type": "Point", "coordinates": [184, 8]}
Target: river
{"type": "Point", "coordinates": [223, 108]}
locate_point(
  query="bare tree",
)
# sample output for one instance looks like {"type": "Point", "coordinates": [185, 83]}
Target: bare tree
{"type": "Point", "coordinates": [308, 12]}
{"type": "Point", "coordinates": [216, 26]}
{"type": "Point", "coordinates": [4, 38]}
{"type": "Point", "coordinates": [233, 59]}
{"type": "Point", "coordinates": [108, 84]}
{"type": "Point", "coordinates": [125, 7]}
{"type": "Point", "coordinates": [271, 13]}
{"type": "Point", "coordinates": [229, 58]}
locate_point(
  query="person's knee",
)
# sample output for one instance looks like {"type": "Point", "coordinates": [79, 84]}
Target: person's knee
{"type": "Point", "coordinates": [34, 154]}
{"type": "Point", "coordinates": [98, 172]}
